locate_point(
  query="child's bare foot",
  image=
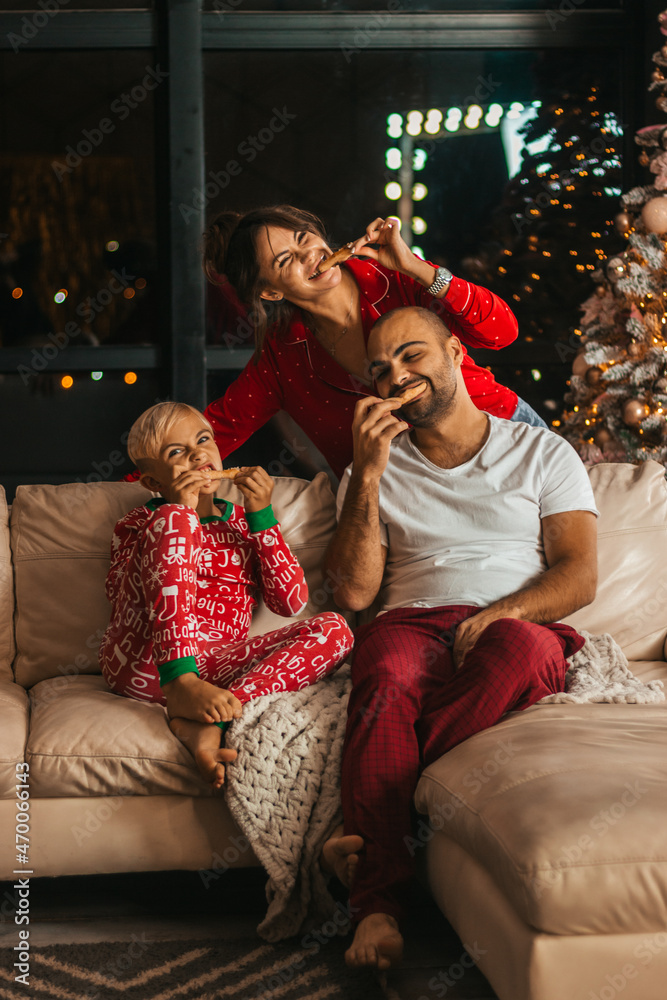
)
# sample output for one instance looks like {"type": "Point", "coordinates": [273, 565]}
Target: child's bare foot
{"type": "Point", "coordinates": [377, 942]}
{"type": "Point", "coordinates": [189, 697]}
{"type": "Point", "coordinates": [339, 855]}
{"type": "Point", "coordinates": [203, 741]}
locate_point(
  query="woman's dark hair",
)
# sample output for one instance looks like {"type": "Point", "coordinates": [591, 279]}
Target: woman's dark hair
{"type": "Point", "coordinates": [230, 249]}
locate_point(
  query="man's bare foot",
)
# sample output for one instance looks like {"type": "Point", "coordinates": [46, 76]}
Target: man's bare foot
{"type": "Point", "coordinates": [203, 741]}
{"type": "Point", "coordinates": [339, 855]}
{"type": "Point", "coordinates": [377, 942]}
{"type": "Point", "coordinates": [189, 697]}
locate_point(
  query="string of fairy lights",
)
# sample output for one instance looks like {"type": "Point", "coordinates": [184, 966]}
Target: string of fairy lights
{"type": "Point", "coordinates": [103, 297]}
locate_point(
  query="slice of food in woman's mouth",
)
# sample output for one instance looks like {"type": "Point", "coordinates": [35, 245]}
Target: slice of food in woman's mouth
{"type": "Point", "coordinates": [336, 258]}
{"type": "Point", "coordinates": [411, 393]}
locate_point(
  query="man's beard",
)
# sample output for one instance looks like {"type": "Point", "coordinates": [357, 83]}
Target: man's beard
{"type": "Point", "coordinates": [442, 400]}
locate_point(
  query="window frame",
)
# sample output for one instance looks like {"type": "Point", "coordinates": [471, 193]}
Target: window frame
{"type": "Point", "coordinates": [178, 33]}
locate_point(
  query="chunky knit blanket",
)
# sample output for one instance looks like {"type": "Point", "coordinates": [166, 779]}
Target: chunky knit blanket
{"type": "Point", "coordinates": [599, 673]}
{"type": "Point", "coordinates": [284, 793]}
{"type": "Point", "coordinates": [284, 789]}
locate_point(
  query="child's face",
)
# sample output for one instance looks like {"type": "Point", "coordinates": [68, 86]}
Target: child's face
{"type": "Point", "coordinates": [188, 445]}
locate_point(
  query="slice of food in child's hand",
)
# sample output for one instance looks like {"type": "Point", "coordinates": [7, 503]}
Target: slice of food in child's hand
{"type": "Point", "coordinates": [223, 473]}
{"type": "Point", "coordinates": [338, 257]}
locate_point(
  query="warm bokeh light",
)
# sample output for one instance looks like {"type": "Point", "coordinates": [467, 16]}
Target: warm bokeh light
{"type": "Point", "coordinates": [130, 378]}
{"type": "Point", "coordinates": [67, 381]}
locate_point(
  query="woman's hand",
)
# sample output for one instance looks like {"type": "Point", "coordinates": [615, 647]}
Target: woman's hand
{"type": "Point", "coordinates": [256, 486]}
{"type": "Point", "coordinates": [384, 243]}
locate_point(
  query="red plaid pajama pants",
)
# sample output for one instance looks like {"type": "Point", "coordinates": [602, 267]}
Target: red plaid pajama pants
{"type": "Point", "coordinates": [408, 706]}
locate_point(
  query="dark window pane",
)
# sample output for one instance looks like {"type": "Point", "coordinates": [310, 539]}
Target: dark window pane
{"type": "Point", "coordinates": [77, 197]}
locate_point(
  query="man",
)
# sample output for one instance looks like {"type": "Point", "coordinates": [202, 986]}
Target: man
{"type": "Point", "coordinates": [481, 533]}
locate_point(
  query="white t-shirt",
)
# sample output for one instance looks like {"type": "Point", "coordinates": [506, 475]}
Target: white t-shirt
{"type": "Point", "coordinates": [472, 534]}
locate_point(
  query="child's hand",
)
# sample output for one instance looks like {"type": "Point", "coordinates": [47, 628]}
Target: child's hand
{"type": "Point", "coordinates": [256, 486]}
{"type": "Point", "coordinates": [185, 488]}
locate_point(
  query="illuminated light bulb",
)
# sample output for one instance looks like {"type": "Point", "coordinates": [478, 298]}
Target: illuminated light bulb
{"type": "Point", "coordinates": [473, 118]}
{"type": "Point", "coordinates": [419, 192]}
{"type": "Point", "coordinates": [537, 374]}
{"type": "Point", "coordinates": [60, 295]}
{"type": "Point", "coordinates": [415, 120]}
{"type": "Point", "coordinates": [503, 270]}
{"type": "Point", "coordinates": [393, 158]}
{"type": "Point", "coordinates": [453, 120]}
{"type": "Point", "coordinates": [395, 126]}
{"type": "Point", "coordinates": [555, 423]}
{"type": "Point", "coordinates": [96, 376]}
{"type": "Point", "coordinates": [516, 107]}
{"type": "Point", "coordinates": [493, 115]}
{"type": "Point", "coordinates": [545, 253]}
{"type": "Point", "coordinates": [112, 245]}
{"type": "Point", "coordinates": [419, 158]}
{"type": "Point", "coordinates": [535, 276]}
{"type": "Point", "coordinates": [67, 381]}
{"type": "Point", "coordinates": [393, 190]}
{"type": "Point", "coordinates": [129, 378]}
{"type": "Point", "coordinates": [418, 225]}
{"type": "Point", "coordinates": [433, 121]}
{"type": "Point", "coordinates": [419, 252]}
{"type": "Point", "coordinates": [17, 293]}
{"type": "Point", "coordinates": [129, 293]}
{"type": "Point", "coordinates": [576, 409]}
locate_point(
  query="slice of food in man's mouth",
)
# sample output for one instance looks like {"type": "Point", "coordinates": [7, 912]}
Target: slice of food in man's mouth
{"type": "Point", "coordinates": [338, 257]}
{"type": "Point", "coordinates": [411, 393]}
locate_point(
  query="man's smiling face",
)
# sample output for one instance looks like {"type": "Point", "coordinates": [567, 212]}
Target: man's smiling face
{"type": "Point", "coordinates": [408, 348]}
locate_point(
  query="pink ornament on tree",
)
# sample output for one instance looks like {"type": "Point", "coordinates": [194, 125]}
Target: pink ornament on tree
{"type": "Point", "coordinates": [654, 215]}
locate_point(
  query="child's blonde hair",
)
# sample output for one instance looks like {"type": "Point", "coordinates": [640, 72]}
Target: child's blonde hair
{"type": "Point", "coordinates": [148, 431]}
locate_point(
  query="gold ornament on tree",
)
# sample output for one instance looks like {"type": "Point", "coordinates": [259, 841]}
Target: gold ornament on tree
{"type": "Point", "coordinates": [654, 215]}
{"type": "Point", "coordinates": [623, 223]}
{"type": "Point", "coordinates": [634, 411]}
{"type": "Point", "coordinates": [593, 375]}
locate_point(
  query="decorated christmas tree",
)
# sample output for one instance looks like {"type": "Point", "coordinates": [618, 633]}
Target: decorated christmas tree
{"type": "Point", "coordinates": [617, 397]}
{"type": "Point", "coordinates": [555, 223]}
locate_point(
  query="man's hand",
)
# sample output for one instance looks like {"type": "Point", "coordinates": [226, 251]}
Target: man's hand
{"type": "Point", "coordinates": [256, 486]}
{"type": "Point", "coordinates": [469, 631]}
{"type": "Point", "coordinates": [373, 429]}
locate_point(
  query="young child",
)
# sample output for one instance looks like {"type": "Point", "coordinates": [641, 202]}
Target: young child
{"type": "Point", "coordinates": [185, 568]}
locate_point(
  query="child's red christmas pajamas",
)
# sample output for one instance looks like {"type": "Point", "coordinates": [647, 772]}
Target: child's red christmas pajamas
{"type": "Point", "coordinates": [183, 591]}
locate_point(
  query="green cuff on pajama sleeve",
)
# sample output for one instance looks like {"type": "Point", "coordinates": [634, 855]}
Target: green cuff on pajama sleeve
{"type": "Point", "coordinates": [259, 520]}
{"type": "Point", "coordinates": [176, 668]}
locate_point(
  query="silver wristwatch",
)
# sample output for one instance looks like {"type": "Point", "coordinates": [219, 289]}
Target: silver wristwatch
{"type": "Point", "coordinates": [442, 277]}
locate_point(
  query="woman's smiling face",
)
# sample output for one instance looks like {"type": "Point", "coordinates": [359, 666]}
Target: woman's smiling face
{"type": "Point", "coordinates": [287, 262]}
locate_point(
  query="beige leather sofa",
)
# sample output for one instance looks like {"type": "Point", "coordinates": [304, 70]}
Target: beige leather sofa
{"type": "Point", "coordinates": [546, 846]}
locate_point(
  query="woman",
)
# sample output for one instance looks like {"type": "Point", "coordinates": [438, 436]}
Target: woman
{"type": "Point", "coordinates": [311, 330]}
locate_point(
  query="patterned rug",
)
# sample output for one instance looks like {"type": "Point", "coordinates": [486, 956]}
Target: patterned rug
{"type": "Point", "coordinates": [189, 970]}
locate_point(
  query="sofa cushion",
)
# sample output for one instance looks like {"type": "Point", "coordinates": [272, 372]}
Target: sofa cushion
{"type": "Point", "coordinates": [631, 600]}
{"type": "Point", "coordinates": [61, 539]}
{"type": "Point", "coordinates": [6, 594]}
{"type": "Point", "coordinates": [13, 734]}
{"type": "Point", "coordinates": [86, 740]}
{"type": "Point", "coordinates": [564, 806]}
